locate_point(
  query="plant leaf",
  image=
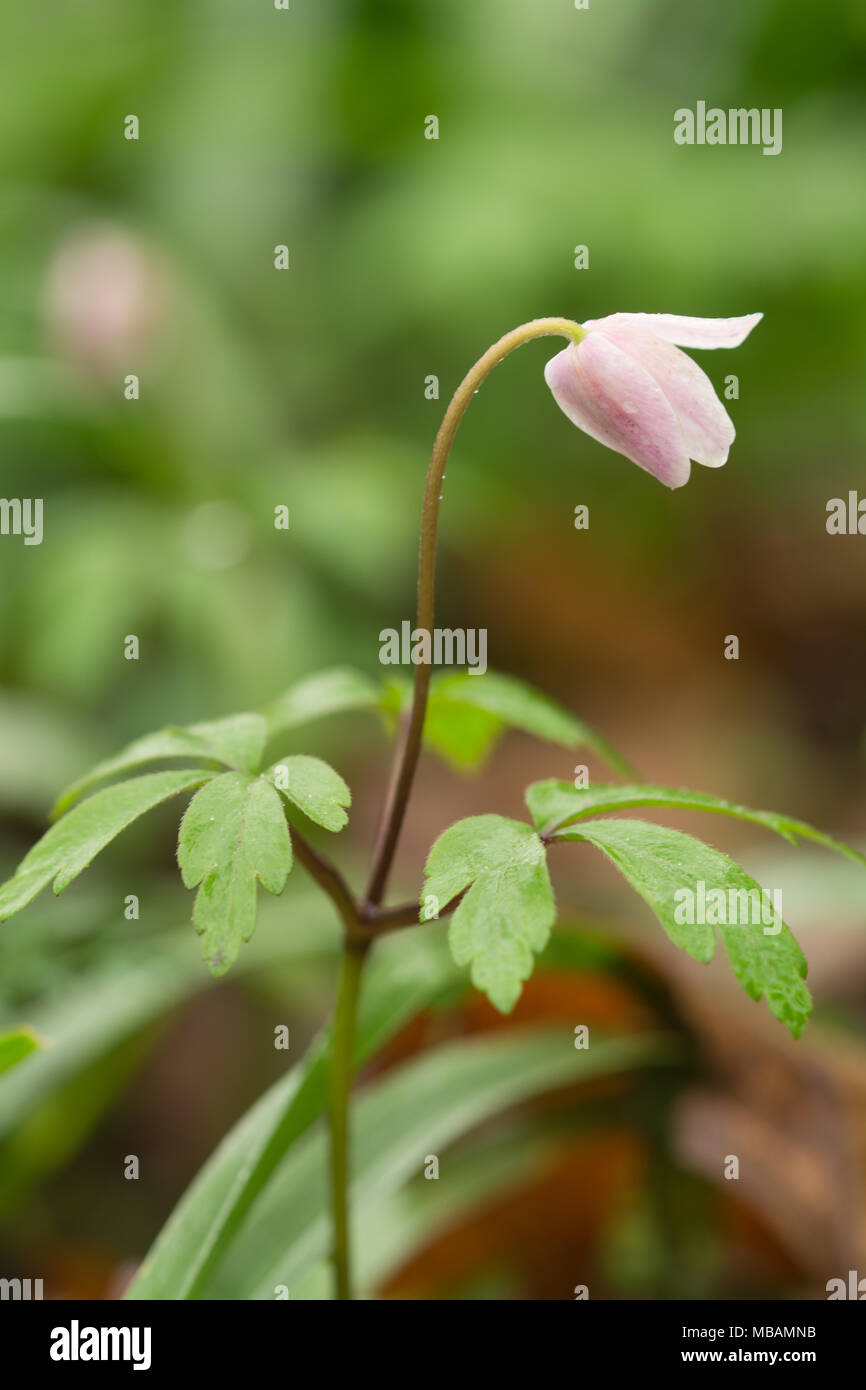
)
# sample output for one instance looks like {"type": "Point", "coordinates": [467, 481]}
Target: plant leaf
{"type": "Point", "coordinates": [71, 844]}
{"type": "Point", "coordinates": [521, 706]}
{"type": "Point", "coordinates": [233, 836]}
{"type": "Point", "coordinates": [659, 863]}
{"type": "Point", "coordinates": [508, 911]}
{"type": "Point", "coordinates": [327, 692]}
{"type": "Point", "coordinates": [482, 1171]}
{"type": "Point", "coordinates": [15, 1045]}
{"type": "Point", "coordinates": [237, 742]}
{"type": "Point", "coordinates": [314, 787]}
{"type": "Point", "coordinates": [397, 985]}
{"type": "Point", "coordinates": [462, 734]}
{"type": "Point", "coordinates": [415, 1109]}
{"type": "Point", "coordinates": [467, 713]}
{"type": "Point", "coordinates": [554, 804]}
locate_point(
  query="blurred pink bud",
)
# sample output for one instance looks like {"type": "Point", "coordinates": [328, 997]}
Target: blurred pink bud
{"type": "Point", "coordinates": [629, 387]}
{"type": "Point", "coordinates": [104, 290]}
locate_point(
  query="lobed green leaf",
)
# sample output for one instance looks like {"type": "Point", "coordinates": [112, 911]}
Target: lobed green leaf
{"type": "Point", "coordinates": [659, 863]}
{"type": "Point", "coordinates": [71, 844]}
{"type": "Point", "coordinates": [459, 732]}
{"type": "Point", "coordinates": [314, 788]}
{"type": "Point", "coordinates": [467, 713]}
{"type": "Point", "coordinates": [506, 915]}
{"type": "Point", "coordinates": [327, 692]}
{"type": "Point", "coordinates": [520, 706]}
{"type": "Point", "coordinates": [233, 836]}
{"type": "Point", "coordinates": [236, 742]}
{"type": "Point", "coordinates": [553, 804]}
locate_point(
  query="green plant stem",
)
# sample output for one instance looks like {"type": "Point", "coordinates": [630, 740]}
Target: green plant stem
{"type": "Point", "coordinates": [342, 1053]}
{"type": "Point", "coordinates": [364, 921]}
{"type": "Point", "coordinates": [406, 760]}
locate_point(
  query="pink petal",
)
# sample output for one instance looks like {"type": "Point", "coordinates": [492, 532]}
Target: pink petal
{"type": "Point", "coordinates": [615, 400]}
{"type": "Point", "coordinates": [705, 424]}
{"type": "Point", "coordinates": [689, 332]}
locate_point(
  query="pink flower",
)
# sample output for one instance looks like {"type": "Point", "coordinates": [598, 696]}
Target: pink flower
{"type": "Point", "coordinates": [629, 387]}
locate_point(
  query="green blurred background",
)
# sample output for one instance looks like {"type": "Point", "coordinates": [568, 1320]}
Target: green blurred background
{"type": "Point", "coordinates": [305, 387]}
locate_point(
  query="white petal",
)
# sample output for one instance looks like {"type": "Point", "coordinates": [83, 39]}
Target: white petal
{"type": "Point", "coordinates": [689, 332]}
{"type": "Point", "coordinates": [616, 401]}
{"type": "Point", "coordinates": [707, 430]}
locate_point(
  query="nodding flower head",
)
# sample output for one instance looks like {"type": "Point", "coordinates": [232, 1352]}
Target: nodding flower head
{"type": "Point", "coordinates": [627, 385]}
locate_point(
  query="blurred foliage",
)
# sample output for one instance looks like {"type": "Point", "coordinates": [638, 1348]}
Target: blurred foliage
{"type": "Point", "coordinates": [305, 388]}
{"type": "Point", "coordinates": [407, 257]}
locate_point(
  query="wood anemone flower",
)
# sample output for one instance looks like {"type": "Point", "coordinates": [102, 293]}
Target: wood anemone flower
{"type": "Point", "coordinates": [627, 385]}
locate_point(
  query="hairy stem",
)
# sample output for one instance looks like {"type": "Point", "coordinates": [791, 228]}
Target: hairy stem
{"type": "Point", "coordinates": [385, 919]}
{"type": "Point", "coordinates": [329, 878]}
{"type": "Point", "coordinates": [406, 760]}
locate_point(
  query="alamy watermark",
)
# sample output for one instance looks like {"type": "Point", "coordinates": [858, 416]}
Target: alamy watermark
{"type": "Point", "coordinates": [444, 646]}
{"type": "Point", "coordinates": [846, 516]}
{"type": "Point", "coordinates": [22, 516]}
{"type": "Point", "coordinates": [852, 1287]}
{"type": "Point", "coordinates": [729, 907]}
{"type": "Point", "coordinates": [77, 1343]}
{"type": "Point", "coordinates": [737, 126]}
{"type": "Point", "coordinates": [21, 1290]}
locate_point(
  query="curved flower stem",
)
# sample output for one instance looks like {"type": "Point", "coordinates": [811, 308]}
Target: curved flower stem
{"type": "Point", "coordinates": [363, 922]}
{"type": "Point", "coordinates": [407, 758]}
{"type": "Point", "coordinates": [342, 1048]}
